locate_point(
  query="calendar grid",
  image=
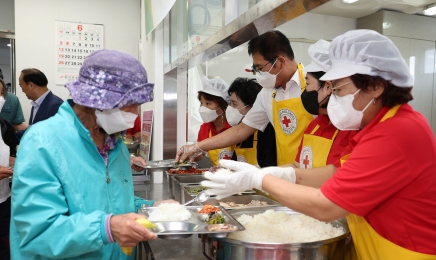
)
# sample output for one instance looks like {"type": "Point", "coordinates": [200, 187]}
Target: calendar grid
{"type": "Point", "coordinates": [75, 41]}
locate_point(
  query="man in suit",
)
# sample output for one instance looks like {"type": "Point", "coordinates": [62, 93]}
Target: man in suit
{"type": "Point", "coordinates": [44, 103]}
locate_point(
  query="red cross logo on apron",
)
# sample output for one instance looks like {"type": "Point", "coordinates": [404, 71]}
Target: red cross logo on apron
{"type": "Point", "coordinates": [286, 121]}
{"type": "Point", "coordinates": [306, 161]}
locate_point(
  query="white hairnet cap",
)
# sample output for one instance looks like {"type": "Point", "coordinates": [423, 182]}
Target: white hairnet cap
{"type": "Point", "coordinates": [216, 87]}
{"type": "Point", "coordinates": [370, 53]}
{"type": "Point", "coordinates": [319, 53]}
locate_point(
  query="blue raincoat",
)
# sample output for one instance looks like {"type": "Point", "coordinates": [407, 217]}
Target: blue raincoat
{"type": "Point", "coordinates": [60, 194]}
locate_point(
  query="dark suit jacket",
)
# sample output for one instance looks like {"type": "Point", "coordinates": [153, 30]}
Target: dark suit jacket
{"type": "Point", "coordinates": [48, 108]}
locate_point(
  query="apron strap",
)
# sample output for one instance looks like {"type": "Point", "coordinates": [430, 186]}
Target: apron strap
{"type": "Point", "coordinates": [314, 129]}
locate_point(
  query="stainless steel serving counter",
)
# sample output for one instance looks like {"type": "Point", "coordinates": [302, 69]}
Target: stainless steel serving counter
{"type": "Point", "coordinates": [189, 248]}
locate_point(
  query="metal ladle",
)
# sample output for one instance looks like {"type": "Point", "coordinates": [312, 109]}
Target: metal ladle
{"type": "Point", "coordinates": [202, 196]}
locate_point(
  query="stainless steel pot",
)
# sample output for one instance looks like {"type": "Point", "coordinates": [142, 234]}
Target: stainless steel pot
{"type": "Point", "coordinates": [331, 249]}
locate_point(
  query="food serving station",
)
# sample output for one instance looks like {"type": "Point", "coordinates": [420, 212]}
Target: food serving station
{"type": "Point", "coordinates": [194, 238]}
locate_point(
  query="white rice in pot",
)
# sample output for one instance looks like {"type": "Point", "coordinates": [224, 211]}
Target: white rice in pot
{"type": "Point", "coordinates": [279, 227]}
{"type": "Point", "coordinates": [169, 212]}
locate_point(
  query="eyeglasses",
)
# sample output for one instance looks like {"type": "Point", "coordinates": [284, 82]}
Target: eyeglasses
{"type": "Point", "coordinates": [335, 89]}
{"type": "Point", "coordinates": [255, 70]}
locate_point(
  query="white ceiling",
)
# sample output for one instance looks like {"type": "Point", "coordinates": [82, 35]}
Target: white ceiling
{"type": "Point", "coordinates": [365, 7]}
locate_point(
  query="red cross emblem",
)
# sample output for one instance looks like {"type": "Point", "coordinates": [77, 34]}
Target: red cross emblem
{"type": "Point", "coordinates": [227, 157]}
{"type": "Point", "coordinates": [286, 121]}
{"type": "Point", "coordinates": [306, 161]}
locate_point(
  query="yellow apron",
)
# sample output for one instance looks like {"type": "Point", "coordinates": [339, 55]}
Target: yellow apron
{"type": "Point", "coordinates": [290, 120]}
{"type": "Point", "coordinates": [248, 155]}
{"type": "Point", "coordinates": [218, 154]}
{"type": "Point", "coordinates": [368, 243]}
{"type": "Point", "coordinates": [315, 150]}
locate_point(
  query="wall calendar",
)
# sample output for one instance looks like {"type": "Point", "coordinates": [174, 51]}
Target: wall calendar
{"type": "Point", "coordinates": [75, 41]}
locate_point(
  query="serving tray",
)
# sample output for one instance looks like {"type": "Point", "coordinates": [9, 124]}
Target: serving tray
{"type": "Point", "coordinates": [154, 166]}
{"type": "Point", "coordinates": [194, 225]}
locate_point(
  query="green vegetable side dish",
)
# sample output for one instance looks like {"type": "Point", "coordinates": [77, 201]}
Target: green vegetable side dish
{"type": "Point", "coordinates": [181, 163]}
{"type": "Point", "coordinates": [195, 191]}
{"type": "Point", "coordinates": [216, 218]}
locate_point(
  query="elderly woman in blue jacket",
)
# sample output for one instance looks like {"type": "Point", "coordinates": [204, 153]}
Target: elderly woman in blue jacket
{"type": "Point", "coordinates": [72, 193]}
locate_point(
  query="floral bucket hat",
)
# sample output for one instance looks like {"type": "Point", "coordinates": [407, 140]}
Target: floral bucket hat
{"type": "Point", "coordinates": [109, 79]}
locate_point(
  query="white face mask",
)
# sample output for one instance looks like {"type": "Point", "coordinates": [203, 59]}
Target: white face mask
{"type": "Point", "coordinates": [2, 102]}
{"type": "Point", "coordinates": [266, 79]}
{"type": "Point", "coordinates": [342, 113]}
{"type": "Point", "coordinates": [208, 115]}
{"type": "Point", "coordinates": [115, 120]}
{"type": "Point", "coordinates": [233, 116]}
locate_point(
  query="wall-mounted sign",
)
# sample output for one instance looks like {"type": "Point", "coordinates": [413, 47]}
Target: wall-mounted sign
{"type": "Point", "coordinates": [146, 130]}
{"type": "Point", "coordinates": [75, 41]}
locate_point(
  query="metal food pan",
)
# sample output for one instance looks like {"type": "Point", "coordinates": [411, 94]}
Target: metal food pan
{"type": "Point", "coordinates": [188, 189]}
{"type": "Point", "coordinates": [337, 248]}
{"type": "Point", "coordinates": [194, 225]}
{"type": "Point", "coordinates": [187, 174]}
{"type": "Point", "coordinates": [243, 199]}
{"type": "Point", "coordinates": [177, 181]}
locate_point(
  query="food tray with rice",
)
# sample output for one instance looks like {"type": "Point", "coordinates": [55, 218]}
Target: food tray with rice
{"type": "Point", "coordinates": [174, 221]}
{"type": "Point", "coordinates": [243, 201]}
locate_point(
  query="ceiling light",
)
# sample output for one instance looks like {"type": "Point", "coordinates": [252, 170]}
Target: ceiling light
{"type": "Point", "coordinates": [9, 45]}
{"type": "Point", "coordinates": [430, 10]}
{"type": "Point", "coordinates": [349, 1]}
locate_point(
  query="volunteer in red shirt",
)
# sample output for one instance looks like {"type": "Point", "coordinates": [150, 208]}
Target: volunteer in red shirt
{"type": "Point", "coordinates": [386, 187]}
{"type": "Point", "coordinates": [322, 142]}
{"type": "Point", "coordinates": [214, 100]}
{"type": "Point", "coordinates": [135, 131]}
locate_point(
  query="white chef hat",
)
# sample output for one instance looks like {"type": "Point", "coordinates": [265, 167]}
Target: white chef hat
{"type": "Point", "coordinates": [370, 53]}
{"type": "Point", "coordinates": [216, 87]}
{"type": "Point", "coordinates": [319, 53]}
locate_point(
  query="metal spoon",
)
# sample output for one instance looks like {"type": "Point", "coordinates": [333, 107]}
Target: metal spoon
{"type": "Point", "coordinates": [202, 196]}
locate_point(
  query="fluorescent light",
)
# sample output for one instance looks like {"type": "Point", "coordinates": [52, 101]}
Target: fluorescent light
{"type": "Point", "coordinates": [430, 10]}
{"type": "Point", "coordinates": [9, 45]}
{"type": "Point", "coordinates": [349, 1]}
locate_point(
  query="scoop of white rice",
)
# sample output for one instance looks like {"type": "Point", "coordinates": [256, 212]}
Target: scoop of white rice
{"type": "Point", "coordinates": [279, 227]}
{"type": "Point", "coordinates": [169, 212]}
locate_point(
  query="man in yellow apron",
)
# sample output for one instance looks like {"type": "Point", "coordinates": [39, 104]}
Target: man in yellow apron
{"type": "Point", "coordinates": [279, 102]}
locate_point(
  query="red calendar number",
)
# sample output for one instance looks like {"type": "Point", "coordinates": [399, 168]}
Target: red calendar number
{"type": "Point", "coordinates": [79, 27]}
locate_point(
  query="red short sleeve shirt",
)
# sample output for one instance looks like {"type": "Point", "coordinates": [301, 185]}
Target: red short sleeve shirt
{"type": "Point", "coordinates": [390, 179]}
{"type": "Point", "coordinates": [205, 128]}
{"type": "Point", "coordinates": [136, 127]}
{"type": "Point", "coordinates": [327, 130]}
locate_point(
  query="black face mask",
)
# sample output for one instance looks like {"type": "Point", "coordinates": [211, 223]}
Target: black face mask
{"type": "Point", "coordinates": [310, 101]}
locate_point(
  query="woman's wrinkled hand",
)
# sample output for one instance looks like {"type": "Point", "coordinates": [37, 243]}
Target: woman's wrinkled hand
{"type": "Point", "coordinates": [138, 160]}
{"type": "Point", "coordinates": [5, 172]}
{"type": "Point", "coordinates": [127, 232]}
